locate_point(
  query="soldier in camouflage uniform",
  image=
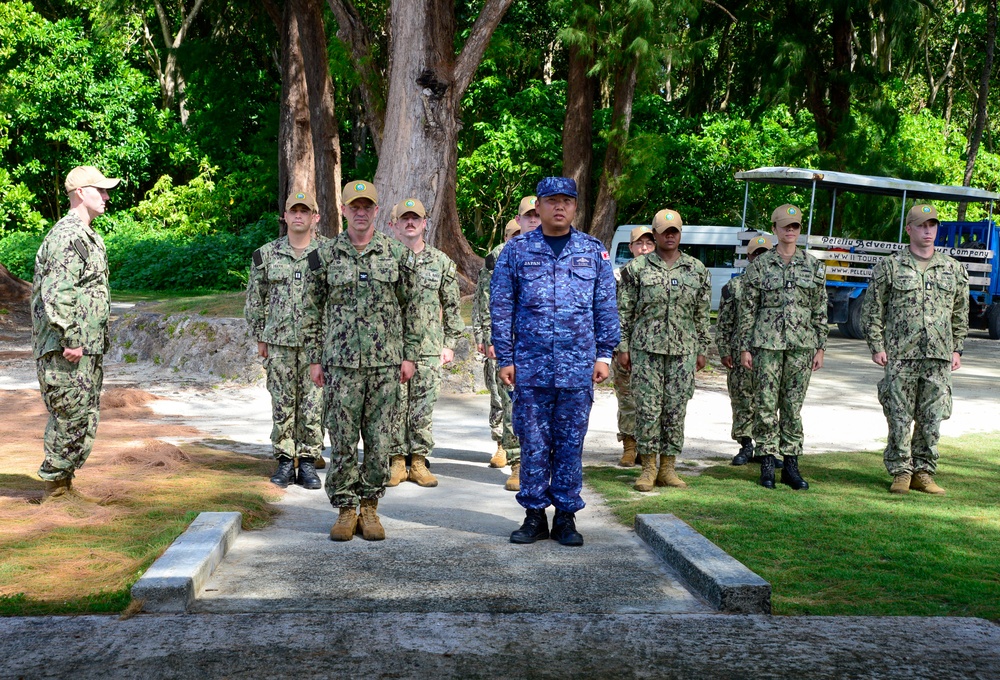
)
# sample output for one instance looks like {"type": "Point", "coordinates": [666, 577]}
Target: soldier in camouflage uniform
{"type": "Point", "coordinates": [916, 316]}
{"type": "Point", "coordinates": [499, 395]}
{"type": "Point", "coordinates": [739, 380]}
{"type": "Point", "coordinates": [640, 243]}
{"type": "Point", "coordinates": [278, 297]}
{"type": "Point", "coordinates": [437, 302]}
{"type": "Point", "coordinates": [70, 305]}
{"type": "Point", "coordinates": [664, 302]}
{"type": "Point", "coordinates": [555, 325]}
{"type": "Point", "coordinates": [509, 452]}
{"type": "Point", "coordinates": [364, 342]}
{"type": "Point", "coordinates": [782, 331]}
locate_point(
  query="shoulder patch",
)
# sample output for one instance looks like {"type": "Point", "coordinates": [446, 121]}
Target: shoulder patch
{"type": "Point", "coordinates": [313, 260]}
{"type": "Point", "coordinates": [491, 262]}
{"type": "Point", "coordinates": [726, 292]}
{"type": "Point", "coordinates": [258, 259]}
{"type": "Point", "coordinates": [81, 249]}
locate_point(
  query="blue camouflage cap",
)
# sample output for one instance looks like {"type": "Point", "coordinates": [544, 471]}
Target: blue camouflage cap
{"type": "Point", "coordinates": [552, 186]}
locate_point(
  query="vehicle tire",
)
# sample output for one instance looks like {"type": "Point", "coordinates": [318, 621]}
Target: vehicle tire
{"type": "Point", "coordinates": [993, 321]}
{"type": "Point", "coordinates": [852, 328]}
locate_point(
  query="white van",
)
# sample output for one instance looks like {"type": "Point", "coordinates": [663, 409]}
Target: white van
{"type": "Point", "coordinates": [715, 246]}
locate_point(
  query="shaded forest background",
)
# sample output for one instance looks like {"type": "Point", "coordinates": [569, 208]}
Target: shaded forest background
{"type": "Point", "coordinates": [647, 104]}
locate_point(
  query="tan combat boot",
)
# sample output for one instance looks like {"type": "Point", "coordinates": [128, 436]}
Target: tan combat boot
{"type": "Point", "coordinates": [924, 481]}
{"type": "Point", "coordinates": [419, 474]}
{"type": "Point", "coordinates": [900, 483]}
{"type": "Point", "coordinates": [499, 458]}
{"type": "Point", "coordinates": [628, 457]}
{"type": "Point", "coordinates": [514, 481]}
{"type": "Point", "coordinates": [371, 526]}
{"type": "Point", "coordinates": [648, 475]}
{"type": "Point", "coordinates": [397, 470]}
{"type": "Point", "coordinates": [56, 489]}
{"type": "Point", "coordinates": [667, 476]}
{"type": "Point", "coordinates": [343, 530]}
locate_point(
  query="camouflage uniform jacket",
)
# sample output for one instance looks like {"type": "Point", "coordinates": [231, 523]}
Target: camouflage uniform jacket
{"type": "Point", "coordinates": [665, 309]}
{"type": "Point", "coordinates": [552, 318]}
{"type": "Point", "coordinates": [726, 337]}
{"type": "Point", "coordinates": [917, 315]}
{"type": "Point", "coordinates": [437, 302]}
{"type": "Point", "coordinates": [783, 306]}
{"type": "Point", "coordinates": [70, 297]}
{"type": "Point", "coordinates": [278, 293]}
{"type": "Point", "coordinates": [365, 319]}
{"type": "Point", "coordinates": [481, 301]}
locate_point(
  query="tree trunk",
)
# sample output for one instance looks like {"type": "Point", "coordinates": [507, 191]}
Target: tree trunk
{"type": "Point", "coordinates": [419, 155]}
{"type": "Point", "coordinates": [984, 91]}
{"type": "Point", "coordinates": [578, 148]}
{"type": "Point", "coordinates": [296, 161]}
{"type": "Point", "coordinates": [322, 118]}
{"type": "Point", "coordinates": [603, 224]}
{"type": "Point", "coordinates": [352, 31]}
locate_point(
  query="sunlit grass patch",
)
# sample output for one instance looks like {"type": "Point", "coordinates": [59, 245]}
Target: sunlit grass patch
{"type": "Point", "coordinates": [846, 546]}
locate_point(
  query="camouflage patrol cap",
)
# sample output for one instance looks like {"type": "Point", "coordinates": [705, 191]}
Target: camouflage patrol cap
{"type": "Point", "coordinates": [527, 203]}
{"type": "Point", "coordinates": [638, 233]}
{"type": "Point", "coordinates": [512, 229]}
{"type": "Point", "coordinates": [359, 189]}
{"type": "Point", "coordinates": [921, 213]}
{"type": "Point", "coordinates": [555, 186]}
{"type": "Point", "coordinates": [759, 242]}
{"type": "Point", "coordinates": [667, 219]}
{"type": "Point", "coordinates": [412, 205]}
{"type": "Point", "coordinates": [786, 214]}
{"type": "Point", "coordinates": [301, 198]}
{"type": "Point", "coordinates": [88, 176]}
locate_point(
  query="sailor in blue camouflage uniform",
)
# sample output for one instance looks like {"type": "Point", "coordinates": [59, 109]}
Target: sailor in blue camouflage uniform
{"type": "Point", "coordinates": [555, 325]}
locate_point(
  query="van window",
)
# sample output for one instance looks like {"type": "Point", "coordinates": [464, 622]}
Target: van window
{"type": "Point", "coordinates": [622, 255]}
{"type": "Point", "coordinates": [721, 257]}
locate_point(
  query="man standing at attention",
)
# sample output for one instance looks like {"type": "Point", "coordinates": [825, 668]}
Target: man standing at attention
{"type": "Point", "coordinates": [437, 302]}
{"type": "Point", "coordinates": [640, 243]}
{"type": "Point", "coordinates": [665, 302]}
{"type": "Point", "coordinates": [278, 298]}
{"type": "Point", "coordinates": [782, 321]}
{"type": "Point", "coordinates": [916, 316]}
{"type": "Point", "coordinates": [739, 381]}
{"type": "Point", "coordinates": [70, 305]}
{"type": "Point", "coordinates": [555, 325]}
{"type": "Point", "coordinates": [362, 344]}
{"type": "Point", "coordinates": [509, 451]}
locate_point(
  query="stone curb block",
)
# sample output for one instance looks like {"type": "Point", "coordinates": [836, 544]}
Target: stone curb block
{"type": "Point", "coordinates": [710, 571]}
{"type": "Point", "coordinates": [170, 584]}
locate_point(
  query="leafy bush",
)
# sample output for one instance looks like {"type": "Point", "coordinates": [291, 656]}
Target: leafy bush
{"type": "Point", "coordinates": [17, 252]}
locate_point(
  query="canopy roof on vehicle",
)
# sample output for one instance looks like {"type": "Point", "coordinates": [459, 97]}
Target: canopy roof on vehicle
{"type": "Point", "coordinates": [866, 184]}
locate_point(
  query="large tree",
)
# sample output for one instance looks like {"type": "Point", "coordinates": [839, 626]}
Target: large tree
{"type": "Point", "coordinates": [425, 80]}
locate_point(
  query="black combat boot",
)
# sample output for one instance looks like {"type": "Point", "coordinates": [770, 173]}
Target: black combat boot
{"type": "Point", "coordinates": [307, 478]}
{"type": "Point", "coordinates": [790, 474]}
{"type": "Point", "coordinates": [535, 527]}
{"type": "Point", "coordinates": [767, 472]}
{"type": "Point", "coordinates": [564, 529]}
{"type": "Point", "coordinates": [746, 452]}
{"type": "Point", "coordinates": [285, 474]}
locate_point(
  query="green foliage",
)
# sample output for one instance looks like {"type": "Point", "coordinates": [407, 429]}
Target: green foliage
{"type": "Point", "coordinates": [17, 252]}
{"type": "Point", "coordinates": [17, 206]}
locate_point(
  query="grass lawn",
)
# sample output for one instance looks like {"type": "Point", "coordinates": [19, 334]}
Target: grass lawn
{"type": "Point", "coordinates": [846, 546]}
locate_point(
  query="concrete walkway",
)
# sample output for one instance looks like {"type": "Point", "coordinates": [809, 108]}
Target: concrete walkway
{"type": "Point", "coordinates": [447, 550]}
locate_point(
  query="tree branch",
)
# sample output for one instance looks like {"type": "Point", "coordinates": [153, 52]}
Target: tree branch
{"type": "Point", "coordinates": [352, 31]}
{"type": "Point", "coordinates": [723, 9]}
{"type": "Point", "coordinates": [164, 24]}
{"type": "Point", "coordinates": [188, 20]}
{"type": "Point", "coordinates": [474, 48]}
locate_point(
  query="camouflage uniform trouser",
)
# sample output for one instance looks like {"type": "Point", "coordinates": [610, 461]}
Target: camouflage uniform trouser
{"type": "Point", "coordinates": [296, 404]}
{"type": "Point", "coordinates": [360, 401]}
{"type": "Point", "coordinates": [417, 398]}
{"type": "Point", "coordinates": [496, 405]}
{"type": "Point", "coordinates": [508, 439]}
{"type": "Point", "coordinates": [663, 384]}
{"type": "Point", "coordinates": [739, 381]}
{"type": "Point", "coordinates": [782, 378]}
{"type": "Point", "coordinates": [914, 390]}
{"type": "Point", "coordinates": [72, 395]}
{"type": "Point", "coordinates": [551, 424]}
{"type": "Point", "coordinates": [626, 402]}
